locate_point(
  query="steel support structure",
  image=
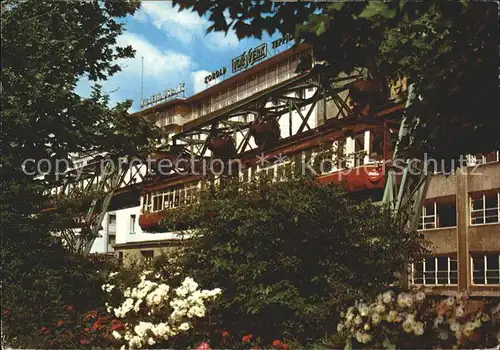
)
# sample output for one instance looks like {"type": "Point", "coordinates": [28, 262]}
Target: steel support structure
{"type": "Point", "coordinates": [406, 198]}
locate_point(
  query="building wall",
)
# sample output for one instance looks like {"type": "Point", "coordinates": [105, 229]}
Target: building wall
{"type": "Point", "coordinates": [466, 240]}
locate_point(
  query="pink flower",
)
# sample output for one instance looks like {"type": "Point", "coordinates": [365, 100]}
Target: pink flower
{"type": "Point", "coordinates": [203, 346]}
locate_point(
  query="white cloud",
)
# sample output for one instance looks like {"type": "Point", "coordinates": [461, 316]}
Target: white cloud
{"type": "Point", "coordinates": [158, 64]}
{"type": "Point", "coordinates": [184, 26]}
{"type": "Point", "coordinates": [162, 69]}
{"type": "Point", "coordinates": [198, 80]}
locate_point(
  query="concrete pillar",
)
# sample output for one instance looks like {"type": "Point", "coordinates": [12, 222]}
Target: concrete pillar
{"type": "Point", "coordinates": [463, 210]}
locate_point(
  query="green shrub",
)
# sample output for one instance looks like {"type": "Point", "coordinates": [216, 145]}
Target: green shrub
{"type": "Point", "coordinates": [39, 285]}
{"type": "Point", "coordinates": [287, 255]}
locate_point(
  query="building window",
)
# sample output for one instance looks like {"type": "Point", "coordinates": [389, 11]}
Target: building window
{"type": "Point", "coordinates": [111, 239]}
{"type": "Point", "coordinates": [439, 214]}
{"type": "Point", "coordinates": [132, 223]}
{"type": "Point", "coordinates": [174, 198]}
{"type": "Point", "coordinates": [428, 218]}
{"type": "Point", "coordinates": [486, 269]}
{"type": "Point", "coordinates": [484, 208]}
{"type": "Point", "coordinates": [359, 150]}
{"type": "Point", "coordinates": [148, 255]}
{"type": "Point", "coordinates": [447, 214]}
{"type": "Point", "coordinates": [111, 224]}
{"type": "Point", "coordinates": [434, 271]}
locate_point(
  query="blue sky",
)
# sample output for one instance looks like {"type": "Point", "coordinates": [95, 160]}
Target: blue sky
{"type": "Point", "coordinates": [175, 49]}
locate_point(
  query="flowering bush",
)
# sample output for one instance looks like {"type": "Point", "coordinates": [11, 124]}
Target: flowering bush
{"type": "Point", "coordinates": [81, 330]}
{"type": "Point", "coordinates": [411, 320]}
{"type": "Point", "coordinates": [153, 313]}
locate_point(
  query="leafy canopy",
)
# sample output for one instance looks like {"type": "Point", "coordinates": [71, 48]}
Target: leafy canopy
{"type": "Point", "coordinates": [287, 255]}
{"type": "Point", "coordinates": [47, 46]}
{"type": "Point", "coordinates": [447, 49]}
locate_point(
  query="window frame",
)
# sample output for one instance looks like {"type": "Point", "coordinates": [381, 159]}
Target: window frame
{"type": "Point", "coordinates": [436, 272]}
{"type": "Point", "coordinates": [482, 210]}
{"type": "Point", "coordinates": [132, 223]}
{"type": "Point", "coordinates": [486, 270]}
{"type": "Point", "coordinates": [423, 216]}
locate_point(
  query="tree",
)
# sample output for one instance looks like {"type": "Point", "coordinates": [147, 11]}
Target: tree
{"type": "Point", "coordinates": [46, 48]}
{"type": "Point", "coordinates": [448, 50]}
{"type": "Point", "coordinates": [288, 255]}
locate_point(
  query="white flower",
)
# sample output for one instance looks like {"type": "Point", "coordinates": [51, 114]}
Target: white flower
{"type": "Point", "coordinates": [160, 329]}
{"type": "Point", "coordinates": [392, 315]}
{"type": "Point", "coordinates": [407, 326]}
{"type": "Point", "coordinates": [151, 341]}
{"type": "Point", "coordinates": [184, 326]}
{"type": "Point", "coordinates": [418, 328]}
{"type": "Point", "coordinates": [358, 320]}
{"type": "Point", "coordinates": [363, 337]}
{"type": "Point", "coordinates": [387, 297]}
{"type": "Point", "coordinates": [135, 342]}
{"type": "Point", "coordinates": [454, 326]}
{"type": "Point", "coordinates": [459, 312]}
{"type": "Point", "coordinates": [380, 308]}
{"type": "Point", "coordinates": [116, 335]}
{"type": "Point", "coordinates": [376, 318]}
{"type": "Point", "coordinates": [443, 335]}
{"type": "Point", "coordinates": [142, 328]}
{"type": "Point", "coordinates": [340, 327]}
{"type": "Point", "coordinates": [363, 309]}
{"type": "Point", "coordinates": [420, 296]}
{"type": "Point", "coordinates": [438, 321]}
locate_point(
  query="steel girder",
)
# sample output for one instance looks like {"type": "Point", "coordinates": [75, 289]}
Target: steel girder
{"type": "Point", "coordinates": [100, 179]}
{"type": "Point", "coordinates": [406, 198]}
{"type": "Point", "coordinates": [272, 104]}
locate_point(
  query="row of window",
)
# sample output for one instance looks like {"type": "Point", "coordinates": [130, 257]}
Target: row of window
{"type": "Point", "coordinates": [171, 198]}
{"type": "Point", "coordinates": [484, 209]}
{"type": "Point", "coordinates": [252, 85]}
{"type": "Point", "coordinates": [443, 270]}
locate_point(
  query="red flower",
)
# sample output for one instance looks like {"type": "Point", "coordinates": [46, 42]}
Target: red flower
{"type": "Point", "coordinates": [102, 319]}
{"type": "Point", "coordinates": [284, 346]}
{"type": "Point", "coordinates": [246, 338]}
{"type": "Point", "coordinates": [86, 330]}
{"type": "Point", "coordinates": [225, 334]}
{"type": "Point", "coordinates": [203, 346]}
{"type": "Point", "coordinates": [117, 326]}
{"type": "Point", "coordinates": [43, 329]}
{"type": "Point", "coordinates": [5, 312]}
{"type": "Point", "coordinates": [84, 341]}
{"type": "Point", "coordinates": [95, 326]}
{"type": "Point", "coordinates": [60, 323]}
{"type": "Point", "coordinates": [69, 308]}
{"type": "Point", "coordinates": [276, 343]}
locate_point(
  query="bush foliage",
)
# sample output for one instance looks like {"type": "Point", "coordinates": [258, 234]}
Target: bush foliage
{"type": "Point", "coordinates": [288, 254]}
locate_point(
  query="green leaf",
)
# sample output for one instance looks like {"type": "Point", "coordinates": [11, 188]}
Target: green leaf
{"type": "Point", "coordinates": [372, 9]}
{"type": "Point", "coordinates": [336, 6]}
{"type": "Point", "coordinates": [320, 28]}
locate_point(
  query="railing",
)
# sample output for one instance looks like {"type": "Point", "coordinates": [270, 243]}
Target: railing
{"type": "Point", "coordinates": [252, 85]}
{"type": "Point", "coordinates": [186, 196]}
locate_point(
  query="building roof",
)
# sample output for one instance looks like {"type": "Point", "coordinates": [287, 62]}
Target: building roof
{"type": "Point", "coordinates": [232, 81]}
